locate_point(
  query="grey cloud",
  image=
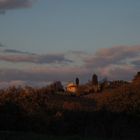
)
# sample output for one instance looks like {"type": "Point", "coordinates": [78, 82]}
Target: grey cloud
{"type": "Point", "coordinates": [4, 84]}
{"type": "Point", "coordinates": [54, 58]}
{"type": "Point", "coordinates": [121, 73]}
{"type": "Point", "coordinates": [49, 75]}
{"type": "Point", "coordinates": [77, 52]}
{"type": "Point", "coordinates": [2, 12]}
{"type": "Point", "coordinates": [14, 4]}
{"type": "Point", "coordinates": [16, 75]}
{"type": "Point", "coordinates": [136, 63]}
{"type": "Point", "coordinates": [34, 58]}
{"type": "Point", "coordinates": [16, 51]}
{"type": "Point", "coordinates": [1, 45]}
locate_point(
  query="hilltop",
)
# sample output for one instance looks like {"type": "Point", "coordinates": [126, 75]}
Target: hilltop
{"type": "Point", "coordinates": [113, 112]}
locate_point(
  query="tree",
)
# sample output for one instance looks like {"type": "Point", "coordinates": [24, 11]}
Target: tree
{"type": "Point", "coordinates": [104, 84]}
{"type": "Point", "coordinates": [77, 81]}
{"type": "Point", "coordinates": [137, 78]}
{"type": "Point", "coordinates": [56, 87]}
{"type": "Point", "coordinates": [95, 79]}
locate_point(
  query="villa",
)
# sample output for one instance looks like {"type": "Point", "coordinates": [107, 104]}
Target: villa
{"type": "Point", "coordinates": [71, 87]}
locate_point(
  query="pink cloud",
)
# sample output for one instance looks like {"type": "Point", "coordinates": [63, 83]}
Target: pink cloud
{"type": "Point", "coordinates": [120, 63]}
{"type": "Point", "coordinates": [115, 62]}
{"type": "Point", "coordinates": [113, 55]}
{"type": "Point", "coordinates": [118, 72]}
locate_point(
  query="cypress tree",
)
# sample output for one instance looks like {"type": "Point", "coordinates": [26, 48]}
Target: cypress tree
{"type": "Point", "coordinates": [77, 81]}
{"type": "Point", "coordinates": [95, 79]}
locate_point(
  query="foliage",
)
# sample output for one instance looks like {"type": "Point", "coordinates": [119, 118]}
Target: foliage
{"type": "Point", "coordinates": [55, 87]}
{"type": "Point", "coordinates": [113, 113]}
{"type": "Point", "coordinates": [94, 79]}
{"type": "Point", "coordinates": [77, 81]}
{"type": "Point", "coordinates": [123, 99]}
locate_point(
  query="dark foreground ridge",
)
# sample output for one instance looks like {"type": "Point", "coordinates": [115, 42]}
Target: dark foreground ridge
{"type": "Point", "coordinates": [112, 114]}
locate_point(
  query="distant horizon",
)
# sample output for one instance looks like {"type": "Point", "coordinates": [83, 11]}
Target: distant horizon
{"type": "Point", "coordinates": [19, 83]}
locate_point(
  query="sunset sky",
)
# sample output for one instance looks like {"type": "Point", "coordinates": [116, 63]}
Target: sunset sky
{"type": "Point", "coordinates": [43, 41]}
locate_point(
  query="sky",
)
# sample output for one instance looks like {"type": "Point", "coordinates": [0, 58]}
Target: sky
{"type": "Point", "coordinates": [42, 41]}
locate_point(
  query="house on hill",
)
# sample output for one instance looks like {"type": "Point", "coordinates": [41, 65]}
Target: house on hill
{"type": "Point", "coordinates": [71, 87]}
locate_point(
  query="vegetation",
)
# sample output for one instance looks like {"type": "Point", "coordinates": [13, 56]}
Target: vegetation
{"type": "Point", "coordinates": [94, 79]}
{"type": "Point", "coordinates": [113, 113]}
{"type": "Point", "coordinates": [77, 81]}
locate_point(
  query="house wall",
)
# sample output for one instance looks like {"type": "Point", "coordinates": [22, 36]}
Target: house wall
{"type": "Point", "coordinates": [71, 89]}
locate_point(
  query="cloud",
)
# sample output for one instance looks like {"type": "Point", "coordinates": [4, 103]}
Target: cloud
{"type": "Point", "coordinates": [1, 45]}
{"type": "Point", "coordinates": [33, 58]}
{"type": "Point", "coordinates": [113, 55]}
{"type": "Point", "coordinates": [4, 84]}
{"type": "Point", "coordinates": [43, 74]}
{"type": "Point", "coordinates": [52, 58]}
{"type": "Point", "coordinates": [117, 72]}
{"type": "Point", "coordinates": [115, 62]}
{"type": "Point", "coordinates": [136, 62]}
{"type": "Point", "coordinates": [16, 51]}
{"type": "Point", "coordinates": [14, 4]}
{"type": "Point", "coordinates": [17, 83]}
{"type": "Point", "coordinates": [2, 12]}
